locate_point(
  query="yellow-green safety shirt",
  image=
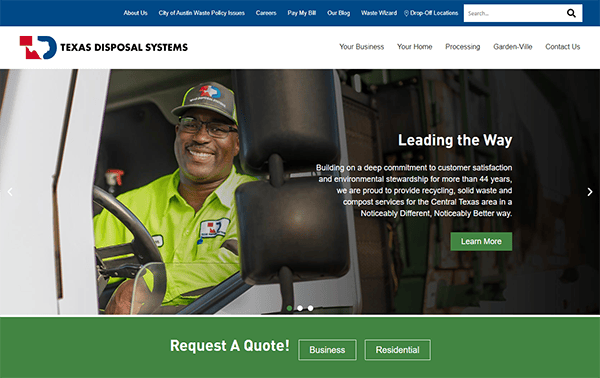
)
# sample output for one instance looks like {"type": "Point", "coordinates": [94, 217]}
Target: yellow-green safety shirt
{"type": "Point", "coordinates": [190, 242]}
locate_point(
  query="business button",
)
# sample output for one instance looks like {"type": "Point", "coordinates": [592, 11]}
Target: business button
{"type": "Point", "coordinates": [327, 350]}
{"type": "Point", "coordinates": [398, 350]}
{"type": "Point", "coordinates": [481, 241]}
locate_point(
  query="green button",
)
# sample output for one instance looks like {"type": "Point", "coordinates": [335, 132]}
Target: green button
{"type": "Point", "coordinates": [327, 350]}
{"type": "Point", "coordinates": [481, 241]}
{"type": "Point", "coordinates": [398, 350]}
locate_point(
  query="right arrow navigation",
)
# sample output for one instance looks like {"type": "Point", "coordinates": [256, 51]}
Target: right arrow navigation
{"type": "Point", "coordinates": [590, 193]}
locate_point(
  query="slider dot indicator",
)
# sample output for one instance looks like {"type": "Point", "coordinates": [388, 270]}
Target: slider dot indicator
{"type": "Point", "coordinates": [300, 308]}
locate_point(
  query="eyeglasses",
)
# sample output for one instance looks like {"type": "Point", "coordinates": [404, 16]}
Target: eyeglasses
{"type": "Point", "coordinates": [216, 130]}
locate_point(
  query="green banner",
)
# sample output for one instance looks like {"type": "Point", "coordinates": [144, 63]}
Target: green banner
{"type": "Point", "coordinates": [280, 346]}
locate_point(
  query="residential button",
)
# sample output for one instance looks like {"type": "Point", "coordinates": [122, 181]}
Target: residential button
{"type": "Point", "coordinates": [398, 350]}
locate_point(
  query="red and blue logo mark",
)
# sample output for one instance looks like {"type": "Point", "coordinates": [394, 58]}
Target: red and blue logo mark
{"type": "Point", "coordinates": [212, 229]}
{"type": "Point", "coordinates": [210, 91]}
{"type": "Point", "coordinates": [30, 50]}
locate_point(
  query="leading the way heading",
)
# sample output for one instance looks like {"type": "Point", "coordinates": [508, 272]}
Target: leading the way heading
{"type": "Point", "coordinates": [432, 140]}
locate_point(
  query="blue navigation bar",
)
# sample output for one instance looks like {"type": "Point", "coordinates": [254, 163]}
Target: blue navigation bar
{"type": "Point", "coordinates": [282, 13]}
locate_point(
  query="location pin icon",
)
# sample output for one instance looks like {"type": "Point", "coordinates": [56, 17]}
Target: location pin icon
{"type": "Point", "coordinates": [406, 13]}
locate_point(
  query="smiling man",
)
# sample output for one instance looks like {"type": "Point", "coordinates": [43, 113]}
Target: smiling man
{"type": "Point", "coordinates": [191, 213]}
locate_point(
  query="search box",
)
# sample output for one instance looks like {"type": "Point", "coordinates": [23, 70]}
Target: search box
{"type": "Point", "coordinates": [523, 13]}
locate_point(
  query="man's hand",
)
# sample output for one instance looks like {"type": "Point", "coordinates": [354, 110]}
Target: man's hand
{"type": "Point", "coordinates": [120, 302]}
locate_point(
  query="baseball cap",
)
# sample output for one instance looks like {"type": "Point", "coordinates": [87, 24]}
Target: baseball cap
{"type": "Point", "coordinates": [212, 96]}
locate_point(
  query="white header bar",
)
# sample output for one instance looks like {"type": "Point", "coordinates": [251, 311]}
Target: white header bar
{"type": "Point", "coordinates": [302, 47]}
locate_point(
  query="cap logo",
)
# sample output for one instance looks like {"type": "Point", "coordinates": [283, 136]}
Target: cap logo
{"type": "Point", "coordinates": [210, 91]}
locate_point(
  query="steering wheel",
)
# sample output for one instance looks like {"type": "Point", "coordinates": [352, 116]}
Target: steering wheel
{"type": "Point", "coordinates": [142, 247]}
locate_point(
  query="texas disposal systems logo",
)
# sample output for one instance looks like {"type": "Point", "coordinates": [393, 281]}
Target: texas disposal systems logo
{"type": "Point", "coordinates": [43, 45]}
{"type": "Point", "coordinates": [214, 228]}
{"type": "Point", "coordinates": [210, 91]}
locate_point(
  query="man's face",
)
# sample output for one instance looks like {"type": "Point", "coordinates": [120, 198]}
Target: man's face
{"type": "Point", "coordinates": [202, 158]}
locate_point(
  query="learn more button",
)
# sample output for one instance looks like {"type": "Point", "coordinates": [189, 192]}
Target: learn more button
{"type": "Point", "coordinates": [481, 241]}
{"type": "Point", "coordinates": [398, 350]}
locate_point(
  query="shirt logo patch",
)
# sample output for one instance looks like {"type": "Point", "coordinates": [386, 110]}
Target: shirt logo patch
{"type": "Point", "coordinates": [213, 228]}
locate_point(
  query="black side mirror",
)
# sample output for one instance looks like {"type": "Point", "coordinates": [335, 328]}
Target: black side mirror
{"type": "Point", "coordinates": [290, 229]}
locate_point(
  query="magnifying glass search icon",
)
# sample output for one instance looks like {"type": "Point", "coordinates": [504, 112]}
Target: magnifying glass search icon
{"type": "Point", "coordinates": [571, 13]}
